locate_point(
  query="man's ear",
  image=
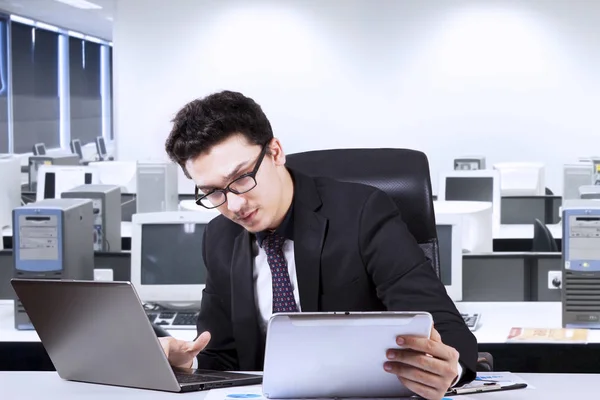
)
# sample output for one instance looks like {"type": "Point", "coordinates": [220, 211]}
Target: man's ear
{"type": "Point", "coordinates": [276, 151]}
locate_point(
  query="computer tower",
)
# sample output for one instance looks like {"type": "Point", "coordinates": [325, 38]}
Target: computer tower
{"type": "Point", "coordinates": [36, 161]}
{"type": "Point", "coordinates": [52, 239]}
{"type": "Point", "coordinates": [581, 264]}
{"type": "Point", "coordinates": [106, 202]}
{"type": "Point", "coordinates": [157, 187]}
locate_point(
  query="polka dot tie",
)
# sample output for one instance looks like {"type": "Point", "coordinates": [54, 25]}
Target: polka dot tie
{"type": "Point", "coordinates": [283, 294]}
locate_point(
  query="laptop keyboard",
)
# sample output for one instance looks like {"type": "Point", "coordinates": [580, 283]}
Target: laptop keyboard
{"type": "Point", "coordinates": [472, 320]}
{"type": "Point", "coordinates": [181, 319]}
{"type": "Point", "coordinates": [197, 378]}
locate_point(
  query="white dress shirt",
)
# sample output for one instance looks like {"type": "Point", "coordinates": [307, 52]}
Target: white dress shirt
{"type": "Point", "coordinates": [263, 288]}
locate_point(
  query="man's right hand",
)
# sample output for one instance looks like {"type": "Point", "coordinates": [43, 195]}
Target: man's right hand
{"type": "Point", "coordinates": [181, 353]}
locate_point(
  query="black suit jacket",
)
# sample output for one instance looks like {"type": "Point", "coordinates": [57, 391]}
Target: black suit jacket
{"type": "Point", "coordinates": [353, 252]}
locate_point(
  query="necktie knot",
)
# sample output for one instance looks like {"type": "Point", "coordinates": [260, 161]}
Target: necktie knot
{"type": "Point", "coordinates": [273, 243]}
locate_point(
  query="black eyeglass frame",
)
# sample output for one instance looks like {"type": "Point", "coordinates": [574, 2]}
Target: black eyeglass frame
{"type": "Point", "coordinates": [251, 174]}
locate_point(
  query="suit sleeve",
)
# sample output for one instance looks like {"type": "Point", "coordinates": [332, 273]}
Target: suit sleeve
{"type": "Point", "coordinates": [405, 279]}
{"type": "Point", "coordinates": [220, 353]}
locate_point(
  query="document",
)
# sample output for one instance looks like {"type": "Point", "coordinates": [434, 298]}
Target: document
{"type": "Point", "coordinates": [491, 381]}
{"type": "Point", "coordinates": [558, 335]}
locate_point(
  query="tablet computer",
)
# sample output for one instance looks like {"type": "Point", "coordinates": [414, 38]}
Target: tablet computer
{"type": "Point", "coordinates": [327, 355]}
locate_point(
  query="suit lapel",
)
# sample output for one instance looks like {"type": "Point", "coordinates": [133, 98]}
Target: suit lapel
{"type": "Point", "coordinates": [244, 313]}
{"type": "Point", "coordinates": [309, 236]}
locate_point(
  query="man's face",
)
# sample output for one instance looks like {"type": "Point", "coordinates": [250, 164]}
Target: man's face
{"type": "Point", "coordinates": [216, 168]}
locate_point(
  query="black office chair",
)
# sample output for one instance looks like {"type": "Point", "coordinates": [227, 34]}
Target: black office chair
{"type": "Point", "coordinates": [403, 174]}
{"type": "Point", "coordinates": [549, 192]}
{"type": "Point", "coordinates": [543, 241]}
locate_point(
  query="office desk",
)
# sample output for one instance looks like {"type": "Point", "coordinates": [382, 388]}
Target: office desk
{"type": "Point", "coordinates": [507, 231]}
{"type": "Point", "coordinates": [499, 317]}
{"type": "Point", "coordinates": [22, 350]}
{"type": "Point", "coordinates": [9, 334]}
{"type": "Point", "coordinates": [49, 386]}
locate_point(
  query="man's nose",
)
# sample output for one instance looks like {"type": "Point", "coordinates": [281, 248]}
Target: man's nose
{"type": "Point", "coordinates": [235, 202]}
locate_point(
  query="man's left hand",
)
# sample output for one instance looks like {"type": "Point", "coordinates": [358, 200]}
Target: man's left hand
{"type": "Point", "coordinates": [426, 366]}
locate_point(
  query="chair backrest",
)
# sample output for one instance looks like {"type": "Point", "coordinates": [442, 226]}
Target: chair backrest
{"type": "Point", "coordinates": [543, 241]}
{"type": "Point", "coordinates": [402, 173]}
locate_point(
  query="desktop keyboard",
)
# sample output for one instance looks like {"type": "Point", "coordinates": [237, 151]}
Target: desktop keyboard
{"type": "Point", "coordinates": [173, 319]}
{"type": "Point", "coordinates": [472, 320]}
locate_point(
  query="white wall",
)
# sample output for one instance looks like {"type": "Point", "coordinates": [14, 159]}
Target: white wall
{"type": "Point", "coordinates": [512, 80]}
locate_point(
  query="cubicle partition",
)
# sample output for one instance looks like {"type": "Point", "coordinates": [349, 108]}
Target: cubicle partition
{"type": "Point", "coordinates": [507, 276]}
{"type": "Point", "coordinates": [524, 209]}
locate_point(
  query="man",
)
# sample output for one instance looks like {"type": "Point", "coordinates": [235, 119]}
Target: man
{"type": "Point", "coordinates": [287, 242]}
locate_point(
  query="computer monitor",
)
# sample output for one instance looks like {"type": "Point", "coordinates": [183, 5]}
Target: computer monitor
{"type": "Point", "coordinates": [169, 272]}
{"type": "Point", "coordinates": [576, 175]}
{"type": "Point", "coordinates": [449, 233]}
{"type": "Point", "coordinates": [521, 178]}
{"type": "Point", "coordinates": [482, 185]}
{"type": "Point", "coordinates": [469, 163]}
{"type": "Point", "coordinates": [10, 188]}
{"type": "Point", "coordinates": [76, 148]}
{"type": "Point", "coordinates": [121, 173]}
{"type": "Point", "coordinates": [39, 149]}
{"type": "Point", "coordinates": [53, 180]}
{"type": "Point", "coordinates": [101, 148]}
{"type": "Point", "coordinates": [477, 223]}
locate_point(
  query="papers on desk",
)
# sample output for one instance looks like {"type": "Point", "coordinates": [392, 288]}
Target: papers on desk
{"type": "Point", "coordinates": [490, 382]}
{"type": "Point", "coordinates": [559, 335]}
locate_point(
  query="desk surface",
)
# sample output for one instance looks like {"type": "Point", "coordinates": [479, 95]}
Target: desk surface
{"type": "Point", "coordinates": [8, 333]}
{"type": "Point", "coordinates": [48, 385]}
{"type": "Point", "coordinates": [497, 318]}
{"type": "Point", "coordinates": [507, 231]}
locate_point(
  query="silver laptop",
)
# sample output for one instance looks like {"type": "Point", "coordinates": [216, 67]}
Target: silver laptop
{"type": "Point", "coordinates": [98, 332]}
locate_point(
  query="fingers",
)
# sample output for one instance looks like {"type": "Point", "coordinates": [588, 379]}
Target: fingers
{"type": "Point", "coordinates": [200, 343]}
{"type": "Point", "coordinates": [164, 342]}
{"type": "Point", "coordinates": [428, 346]}
{"type": "Point", "coordinates": [419, 360]}
{"type": "Point", "coordinates": [422, 390]}
{"type": "Point", "coordinates": [435, 335]}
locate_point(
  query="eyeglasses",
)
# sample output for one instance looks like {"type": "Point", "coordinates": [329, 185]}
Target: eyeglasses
{"type": "Point", "coordinates": [240, 185]}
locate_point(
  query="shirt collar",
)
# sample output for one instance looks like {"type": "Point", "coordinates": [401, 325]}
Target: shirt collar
{"type": "Point", "coordinates": [286, 229]}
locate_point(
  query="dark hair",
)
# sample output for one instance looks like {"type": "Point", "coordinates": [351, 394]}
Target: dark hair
{"type": "Point", "coordinates": [202, 123]}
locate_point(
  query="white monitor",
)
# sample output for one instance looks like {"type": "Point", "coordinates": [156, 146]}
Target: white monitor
{"type": "Point", "coordinates": [76, 148]}
{"type": "Point", "coordinates": [450, 233]}
{"type": "Point", "coordinates": [477, 223]}
{"type": "Point", "coordinates": [482, 185]}
{"type": "Point", "coordinates": [39, 149]}
{"type": "Point", "coordinates": [53, 180]}
{"type": "Point", "coordinates": [167, 266]}
{"type": "Point", "coordinates": [469, 163]}
{"type": "Point", "coordinates": [120, 173]}
{"type": "Point", "coordinates": [575, 176]}
{"type": "Point", "coordinates": [521, 178]}
{"type": "Point", "coordinates": [10, 188]}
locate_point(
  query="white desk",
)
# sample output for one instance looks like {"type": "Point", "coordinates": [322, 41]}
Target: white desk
{"type": "Point", "coordinates": [497, 318]}
{"type": "Point", "coordinates": [125, 230]}
{"type": "Point", "coordinates": [9, 334]}
{"type": "Point", "coordinates": [49, 386]}
{"type": "Point", "coordinates": [505, 231]}
{"type": "Point", "coordinates": [525, 231]}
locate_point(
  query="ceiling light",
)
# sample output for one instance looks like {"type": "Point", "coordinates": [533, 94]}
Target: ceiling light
{"type": "Point", "coordinates": [83, 4]}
